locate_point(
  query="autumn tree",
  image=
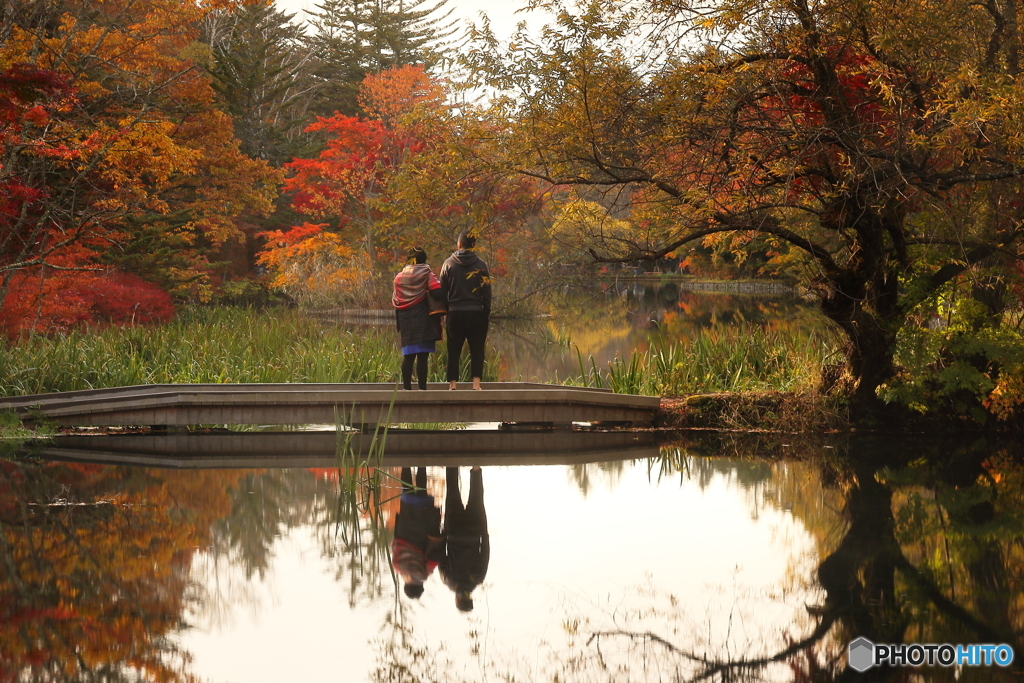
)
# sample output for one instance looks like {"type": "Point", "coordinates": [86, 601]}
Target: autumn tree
{"type": "Point", "coordinates": [112, 151]}
{"type": "Point", "coordinates": [348, 182]}
{"type": "Point", "coordinates": [342, 189]}
{"type": "Point", "coordinates": [882, 145]}
{"type": "Point", "coordinates": [408, 173]}
{"type": "Point", "coordinates": [449, 184]}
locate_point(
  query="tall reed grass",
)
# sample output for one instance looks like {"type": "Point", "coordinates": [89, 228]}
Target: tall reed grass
{"type": "Point", "coordinates": [221, 345]}
{"type": "Point", "coordinates": [206, 345]}
{"type": "Point", "coordinates": [719, 360]}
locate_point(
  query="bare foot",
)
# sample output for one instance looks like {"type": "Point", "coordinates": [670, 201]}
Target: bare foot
{"type": "Point", "coordinates": [476, 384]}
{"type": "Point", "coordinates": [451, 386]}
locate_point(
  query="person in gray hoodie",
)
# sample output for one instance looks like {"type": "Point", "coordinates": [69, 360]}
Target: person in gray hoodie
{"type": "Point", "coordinates": [466, 283]}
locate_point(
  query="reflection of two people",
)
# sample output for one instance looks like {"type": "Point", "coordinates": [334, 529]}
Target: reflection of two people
{"type": "Point", "coordinates": [460, 552]}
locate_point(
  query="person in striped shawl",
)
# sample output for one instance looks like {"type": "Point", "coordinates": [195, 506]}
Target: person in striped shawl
{"type": "Point", "coordinates": [420, 330]}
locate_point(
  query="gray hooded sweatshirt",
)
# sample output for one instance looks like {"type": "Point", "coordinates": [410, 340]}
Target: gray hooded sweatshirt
{"type": "Point", "coordinates": [466, 282]}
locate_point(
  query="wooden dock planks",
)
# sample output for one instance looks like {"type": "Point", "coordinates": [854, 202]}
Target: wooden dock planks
{"type": "Point", "coordinates": [347, 404]}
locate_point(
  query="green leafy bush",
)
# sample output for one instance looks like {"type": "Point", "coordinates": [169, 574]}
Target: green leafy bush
{"type": "Point", "coordinates": [965, 363]}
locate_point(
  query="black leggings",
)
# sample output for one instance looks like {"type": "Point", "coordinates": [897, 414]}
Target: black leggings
{"type": "Point", "coordinates": [466, 326]}
{"type": "Point", "coordinates": [421, 369]}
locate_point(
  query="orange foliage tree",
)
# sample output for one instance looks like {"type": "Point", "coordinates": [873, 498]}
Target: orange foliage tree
{"type": "Point", "coordinates": [410, 172]}
{"type": "Point", "coordinates": [112, 153]}
{"type": "Point", "coordinates": [348, 182]}
{"type": "Point", "coordinates": [312, 263]}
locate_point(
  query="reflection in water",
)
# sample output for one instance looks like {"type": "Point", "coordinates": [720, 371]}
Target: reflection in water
{"type": "Point", "coordinates": [922, 559]}
{"type": "Point", "coordinates": [682, 567]}
{"type": "Point", "coordinates": [912, 546]}
{"type": "Point", "coordinates": [94, 568]}
{"type": "Point", "coordinates": [466, 539]}
{"type": "Point", "coordinates": [417, 546]}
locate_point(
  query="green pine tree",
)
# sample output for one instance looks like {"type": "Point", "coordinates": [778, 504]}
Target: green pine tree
{"type": "Point", "coordinates": [261, 69]}
{"type": "Point", "coordinates": [353, 38]}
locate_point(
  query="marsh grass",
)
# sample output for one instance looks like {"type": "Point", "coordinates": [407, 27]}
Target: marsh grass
{"type": "Point", "coordinates": [747, 359]}
{"type": "Point", "coordinates": [207, 345]}
{"type": "Point", "coordinates": [223, 345]}
{"type": "Point", "coordinates": [13, 431]}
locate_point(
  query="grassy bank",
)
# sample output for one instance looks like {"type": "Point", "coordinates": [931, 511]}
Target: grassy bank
{"type": "Point", "coordinates": [205, 345]}
{"type": "Point", "coordinates": [733, 379]}
{"type": "Point", "coordinates": [742, 359]}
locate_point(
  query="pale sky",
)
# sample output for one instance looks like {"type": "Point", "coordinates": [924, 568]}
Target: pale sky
{"type": "Point", "coordinates": [501, 12]}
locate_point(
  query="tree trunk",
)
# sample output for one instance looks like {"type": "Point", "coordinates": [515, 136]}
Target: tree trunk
{"type": "Point", "coordinates": [870, 346]}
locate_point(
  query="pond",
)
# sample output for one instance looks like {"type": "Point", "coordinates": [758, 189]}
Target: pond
{"type": "Point", "coordinates": [717, 558]}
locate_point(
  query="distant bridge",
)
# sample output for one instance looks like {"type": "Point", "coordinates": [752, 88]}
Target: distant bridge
{"type": "Point", "coordinates": [353, 405]}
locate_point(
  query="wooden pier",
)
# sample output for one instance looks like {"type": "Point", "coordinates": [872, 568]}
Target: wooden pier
{"type": "Point", "coordinates": [356, 405]}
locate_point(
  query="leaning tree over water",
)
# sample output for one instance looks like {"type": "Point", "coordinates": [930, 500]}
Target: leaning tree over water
{"type": "Point", "coordinates": [878, 150]}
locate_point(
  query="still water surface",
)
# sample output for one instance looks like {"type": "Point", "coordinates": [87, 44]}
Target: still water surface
{"type": "Point", "coordinates": [560, 558]}
{"type": "Point", "coordinates": [703, 561]}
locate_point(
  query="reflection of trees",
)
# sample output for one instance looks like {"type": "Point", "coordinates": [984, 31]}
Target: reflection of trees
{"type": "Point", "coordinates": [882, 579]}
{"type": "Point", "coordinates": [341, 511]}
{"type": "Point", "coordinates": [94, 568]}
{"type": "Point", "coordinates": [264, 505]}
{"type": "Point", "coordinates": [916, 543]}
{"type": "Point", "coordinates": [639, 302]}
{"type": "Point", "coordinates": [609, 320]}
{"type": "Point", "coordinates": [404, 656]}
{"type": "Point", "coordinates": [586, 475]}
{"type": "Point", "coordinates": [962, 523]}
{"type": "Point", "coordinates": [98, 564]}
{"type": "Point", "coordinates": [353, 529]}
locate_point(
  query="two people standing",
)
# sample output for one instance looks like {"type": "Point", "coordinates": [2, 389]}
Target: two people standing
{"type": "Point", "coordinates": [464, 290]}
{"type": "Point", "coordinates": [461, 551]}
